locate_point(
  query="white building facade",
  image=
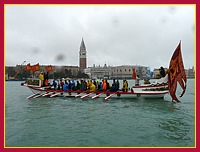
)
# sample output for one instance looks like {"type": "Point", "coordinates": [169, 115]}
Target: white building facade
{"type": "Point", "coordinates": [117, 72]}
{"type": "Point", "coordinates": [99, 72]}
{"type": "Point", "coordinates": [125, 72]}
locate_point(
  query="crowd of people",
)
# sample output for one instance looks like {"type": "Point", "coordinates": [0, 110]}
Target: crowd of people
{"type": "Point", "coordinates": [83, 85]}
{"type": "Point", "coordinates": [92, 85]}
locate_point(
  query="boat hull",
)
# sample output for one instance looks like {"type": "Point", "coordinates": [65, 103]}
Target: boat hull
{"type": "Point", "coordinates": [46, 92]}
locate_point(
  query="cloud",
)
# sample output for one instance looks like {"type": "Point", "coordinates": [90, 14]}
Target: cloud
{"type": "Point", "coordinates": [113, 34]}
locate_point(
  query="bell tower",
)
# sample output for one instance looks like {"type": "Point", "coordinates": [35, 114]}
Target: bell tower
{"type": "Point", "coordinates": [82, 56]}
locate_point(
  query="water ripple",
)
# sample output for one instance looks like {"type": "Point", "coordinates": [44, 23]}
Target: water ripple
{"type": "Point", "coordinates": [76, 122]}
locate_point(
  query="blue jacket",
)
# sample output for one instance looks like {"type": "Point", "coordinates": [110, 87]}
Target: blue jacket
{"type": "Point", "coordinates": [65, 87]}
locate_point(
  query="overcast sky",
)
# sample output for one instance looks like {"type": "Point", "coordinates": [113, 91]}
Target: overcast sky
{"type": "Point", "coordinates": [115, 35]}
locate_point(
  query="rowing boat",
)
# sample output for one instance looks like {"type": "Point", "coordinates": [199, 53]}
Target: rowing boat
{"type": "Point", "coordinates": [168, 84]}
{"type": "Point", "coordinates": [155, 90]}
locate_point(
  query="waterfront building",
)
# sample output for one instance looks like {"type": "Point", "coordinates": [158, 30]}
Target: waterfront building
{"type": "Point", "coordinates": [156, 73]}
{"type": "Point", "coordinates": [190, 73]}
{"type": "Point", "coordinates": [99, 72]}
{"type": "Point", "coordinates": [125, 72]}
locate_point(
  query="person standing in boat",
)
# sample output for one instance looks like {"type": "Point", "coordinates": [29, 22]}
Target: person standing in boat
{"type": "Point", "coordinates": [65, 86]}
{"type": "Point", "coordinates": [114, 86]}
{"type": "Point", "coordinates": [58, 84]}
{"type": "Point", "coordinates": [117, 85]}
{"type": "Point", "coordinates": [78, 85]}
{"type": "Point", "coordinates": [46, 77]}
{"type": "Point", "coordinates": [125, 86]}
{"type": "Point", "coordinates": [91, 86]}
{"type": "Point", "coordinates": [104, 85]}
{"type": "Point", "coordinates": [107, 85]}
{"type": "Point", "coordinates": [61, 84]}
{"type": "Point", "coordinates": [100, 86]}
{"type": "Point", "coordinates": [69, 85]}
{"type": "Point", "coordinates": [82, 86]}
{"type": "Point", "coordinates": [162, 71]}
{"type": "Point", "coordinates": [95, 83]}
{"type": "Point", "coordinates": [41, 77]}
{"type": "Point", "coordinates": [73, 85]}
{"type": "Point", "coordinates": [137, 81]}
{"type": "Point", "coordinates": [46, 82]}
{"type": "Point", "coordinates": [54, 84]}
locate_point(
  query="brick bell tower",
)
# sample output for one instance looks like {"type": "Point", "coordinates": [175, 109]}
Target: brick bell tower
{"type": "Point", "coordinates": [82, 56]}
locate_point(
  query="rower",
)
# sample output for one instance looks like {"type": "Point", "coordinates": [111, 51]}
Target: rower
{"type": "Point", "coordinates": [54, 84]}
{"type": "Point", "coordinates": [114, 86]}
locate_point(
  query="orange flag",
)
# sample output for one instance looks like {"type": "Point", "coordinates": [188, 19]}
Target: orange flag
{"type": "Point", "coordinates": [134, 74]}
{"type": "Point", "coordinates": [28, 67]}
{"type": "Point", "coordinates": [49, 68]}
{"type": "Point", "coordinates": [35, 68]}
{"type": "Point", "coordinates": [176, 74]}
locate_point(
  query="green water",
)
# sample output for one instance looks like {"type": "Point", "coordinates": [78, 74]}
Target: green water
{"type": "Point", "coordinates": [116, 122]}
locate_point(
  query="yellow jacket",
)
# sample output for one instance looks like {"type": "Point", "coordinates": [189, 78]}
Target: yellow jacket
{"type": "Point", "coordinates": [125, 85]}
{"type": "Point", "coordinates": [41, 76]}
{"type": "Point", "coordinates": [92, 87]}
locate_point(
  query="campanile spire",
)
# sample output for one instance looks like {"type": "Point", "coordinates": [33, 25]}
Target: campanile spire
{"type": "Point", "coordinates": [82, 56]}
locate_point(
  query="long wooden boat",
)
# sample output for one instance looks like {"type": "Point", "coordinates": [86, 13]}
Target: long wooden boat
{"type": "Point", "coordinates": [168, 84]}
{"type": "Point", "coordinates": [155, 90]}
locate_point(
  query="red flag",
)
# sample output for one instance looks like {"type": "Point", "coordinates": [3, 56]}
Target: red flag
{"type": "Point", "coordinates": [49, 68]}
{"type": "Point", "coordinates": [176, 74]}
{"type": "Point", "coordinates": [28, 67]}
{"type": "Point", "coordinates": [35, 68]}
{"type": "Point", "coordinates": [134, 74]}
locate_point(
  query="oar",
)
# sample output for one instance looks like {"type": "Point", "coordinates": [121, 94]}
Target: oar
{"type": "Point", "coordinates": [39, 95]}
{"type": "Point", "coordinates": [78, 95]}
{"type": "Point", "coordinates": [47, 94]}
{"type": "Point", "coordinates": [108, 97]}
{"type": "Point", "coordinates": [31, 96]}
{"type": "Point", "coordinates": [54, 95]}
{"type": "Point", "coordinates": [94, 97]}
{"type": "Point", "coordinates": [86, 95]}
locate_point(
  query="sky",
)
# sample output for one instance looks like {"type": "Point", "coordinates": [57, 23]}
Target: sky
{"type": "Point", "coordinates": [115, 35]}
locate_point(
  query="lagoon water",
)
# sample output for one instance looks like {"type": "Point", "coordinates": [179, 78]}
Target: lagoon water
{"type": "Point", "coordinates": [75, 122]}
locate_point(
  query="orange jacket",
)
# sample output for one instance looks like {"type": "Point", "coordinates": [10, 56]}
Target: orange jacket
{"type": "Point", "coordinates": [104, 86]}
